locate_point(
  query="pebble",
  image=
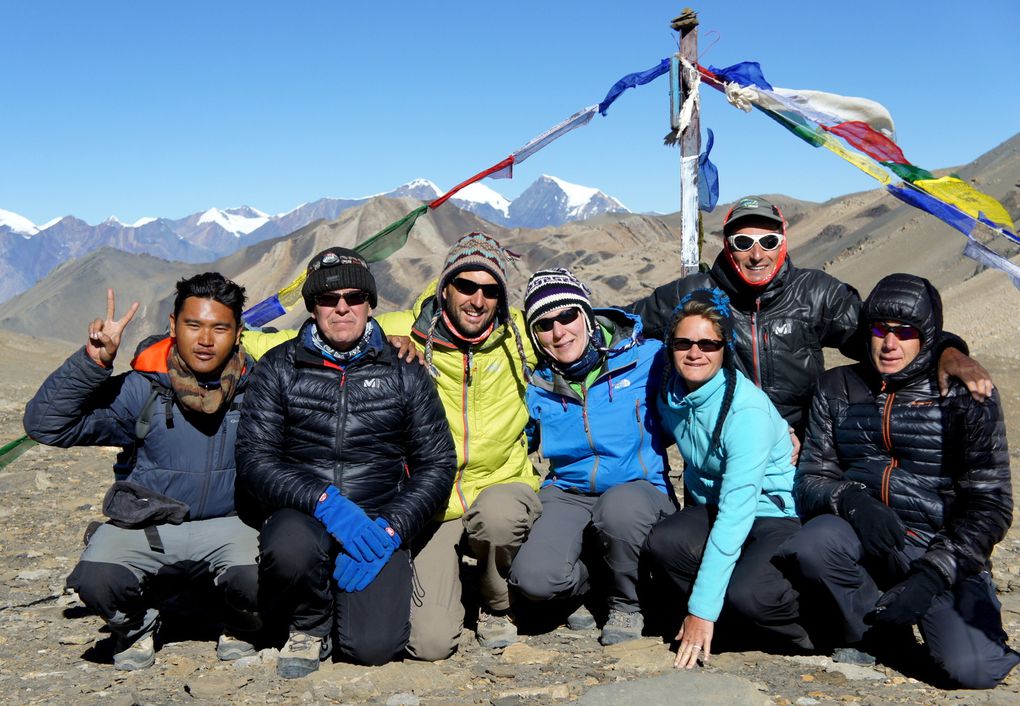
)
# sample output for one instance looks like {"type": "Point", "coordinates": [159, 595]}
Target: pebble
{"type": "Point", "coordinates": [405, 699]}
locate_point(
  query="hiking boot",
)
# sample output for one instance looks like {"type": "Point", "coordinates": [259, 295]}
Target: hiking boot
{"type": "Point", "coordinates": [852, 655]}
{"type": "Point", "coordinates": [138, 654]}
{"type": "Point", "coordinates": [495, 630]}
{"type": "Point", "coordinates": [621, 627]}
{"type": "Point", "coordinates": [229, 647]}
{"type": "Point", "coordinates": [581, 619]}
{"type": "Point", "coordinates": [301, 655]}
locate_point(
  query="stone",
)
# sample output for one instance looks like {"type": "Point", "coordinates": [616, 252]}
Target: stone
{"type": "Point", "coordinates": [523, 653]}
{"type": "Point", "coordinates": [556, 691]}
{"type": "Point", "coordinates": [404, 699]}
{"type": "Point", "coordinates": [644, 655]}
{"type": "Point", "coordinates": [501, 671]}
{"type": "Point", "coordinates": [213, 686]}
{"type": "Point", "coordinates": [33, 574]}
{"type": "Point", "coordinates": [75, 639]}
{"type": "Point", "coordinates": [678, 688]}
{"type": "Point", "coordinates": [850, 671]}
{"type": "Point", "coordinates": [327, 689]}
{"type": "Point", "coordinates": [806, 701]}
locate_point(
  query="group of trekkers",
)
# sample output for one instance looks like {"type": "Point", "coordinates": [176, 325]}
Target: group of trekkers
{"type": "Point", "coordinates": [369, 477]}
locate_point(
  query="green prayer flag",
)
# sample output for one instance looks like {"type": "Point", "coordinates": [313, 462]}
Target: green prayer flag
{"type": "Point", "coordinates": [390, 239]}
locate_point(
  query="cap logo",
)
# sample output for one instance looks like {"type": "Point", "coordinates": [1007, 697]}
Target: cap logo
{"type": "Point", "coordinates": [748, 203]}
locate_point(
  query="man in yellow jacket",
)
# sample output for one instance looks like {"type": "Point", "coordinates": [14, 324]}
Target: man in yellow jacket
{"type": "Point", "coordinates": [477, 356]}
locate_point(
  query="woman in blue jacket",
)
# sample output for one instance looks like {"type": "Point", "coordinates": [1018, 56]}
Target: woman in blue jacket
{"type": "Point", "coordinates": [592, 407]}
{"type": "Point", "coordinates": [738, 481]}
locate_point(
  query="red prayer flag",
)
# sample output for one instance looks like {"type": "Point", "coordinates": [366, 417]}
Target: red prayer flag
{"type": "Point", "coordinates": [867, 140]}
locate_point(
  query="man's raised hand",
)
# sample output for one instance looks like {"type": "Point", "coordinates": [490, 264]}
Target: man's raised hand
{"type": "Point", "coordinates": [104, 335]}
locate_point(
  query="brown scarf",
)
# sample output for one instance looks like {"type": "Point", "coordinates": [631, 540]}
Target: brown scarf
{"type": "Point", "coordinates": [201, 398]}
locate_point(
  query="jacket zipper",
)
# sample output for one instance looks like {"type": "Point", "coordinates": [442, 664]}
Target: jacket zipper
{"type": "Point", "coordinates": [464, 412]}
{"type": "Point", "coordinates": [591, 441]}
{"type": "Point", "coordinates": [341, 428]}
{"type": "Point", "coordinates": [641, 437]}
{"type": "Point", "coordinates": [204, 497]}
{"type": "Point", "coordinates": [754, 341]}
{"type": "Point", "coordinates": [887, 439]}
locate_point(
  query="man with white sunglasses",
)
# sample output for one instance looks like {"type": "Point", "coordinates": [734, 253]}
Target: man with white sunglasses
{"type": "Point", "coordinates": [785, 315]}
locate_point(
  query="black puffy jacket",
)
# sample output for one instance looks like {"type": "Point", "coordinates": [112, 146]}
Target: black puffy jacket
{"type": "Point", "coordinates": [780, 329]}
{"type": "Point", "coordinates": [376, 430]}
{"type": "Point", "coordinates": [941, 463]}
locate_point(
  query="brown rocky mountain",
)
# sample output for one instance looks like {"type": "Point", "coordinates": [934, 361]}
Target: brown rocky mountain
{"type": "Point", "coordinates": [858, 237]}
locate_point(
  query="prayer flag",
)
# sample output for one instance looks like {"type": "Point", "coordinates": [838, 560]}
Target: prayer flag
{"type": "Point", "coordinates": [965, 197]}
{"type": "Point", "coordinates": [630, 81]}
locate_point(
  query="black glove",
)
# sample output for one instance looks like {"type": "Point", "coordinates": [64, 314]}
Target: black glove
{"type": "Point", "coordinates": [878, 526]}
{"type": "Point", "coordinates": [906, 602]}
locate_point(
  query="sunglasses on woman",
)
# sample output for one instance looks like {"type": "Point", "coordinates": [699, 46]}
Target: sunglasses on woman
{"type": "Point", "coordinates": [706, 345]}
{"type": "Point", "coordinates": [565, 317]}
{"type": "Point", "coordinates": [742, 242]}
{"type": "Point", "coordinates": [904, 332]}
{"type": "Point", "coordinates": [329, 300]}
{"type": "Point", "coordinates": [468, 288]}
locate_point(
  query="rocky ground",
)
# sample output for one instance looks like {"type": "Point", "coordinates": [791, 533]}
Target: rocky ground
{"type": "Point", "coordinates": [53, 651]}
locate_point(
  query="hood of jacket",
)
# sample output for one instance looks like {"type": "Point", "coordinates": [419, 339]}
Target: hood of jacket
{"type": "Point", "coordinates": [911, 300]}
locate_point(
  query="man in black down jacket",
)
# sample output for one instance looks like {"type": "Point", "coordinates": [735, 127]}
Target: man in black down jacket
{"type": "Point", "coordinates": [908, 491]}
{"type": "Point", "coordinates": [783, 316]}
{"type": "Point", "coordinates": [186, 390]}
{"type": "Point", "coordinates": [348, 447]}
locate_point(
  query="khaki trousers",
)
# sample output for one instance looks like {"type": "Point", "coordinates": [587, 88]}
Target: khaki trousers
{"type": "Point", "coordinates": [491, 531]}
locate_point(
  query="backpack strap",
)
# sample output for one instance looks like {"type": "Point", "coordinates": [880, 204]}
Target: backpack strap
{"type": "Point", "coordinates": [143, 424]}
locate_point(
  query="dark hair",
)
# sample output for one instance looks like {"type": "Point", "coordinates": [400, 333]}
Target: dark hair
{"type": "Point", "coordinates": [712, 315]}
{"type": "Point", "coordinates": [211, 285]}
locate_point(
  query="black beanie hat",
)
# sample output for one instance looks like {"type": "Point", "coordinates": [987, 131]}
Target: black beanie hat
{"type": "Point", "coordinates": [337, 268]}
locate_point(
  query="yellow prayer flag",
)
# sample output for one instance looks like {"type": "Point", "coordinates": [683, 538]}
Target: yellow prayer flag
{"type": "Point", "coordinates": [864, 163]}
{"type": "Point", "coordinates": [966, 198]}
{"type": "Point", "coordinates": [290, 294]}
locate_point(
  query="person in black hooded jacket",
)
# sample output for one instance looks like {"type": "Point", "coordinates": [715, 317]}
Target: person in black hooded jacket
{"type": "Point", "coordinates": [908, 492]}
{"type": "Point", "coordinates": [348, 448]}
{"type": "Point", "coordinates": [784, 316]}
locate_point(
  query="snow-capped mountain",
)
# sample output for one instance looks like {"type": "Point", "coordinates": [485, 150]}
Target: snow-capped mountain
{"type": "Point", "coordinates": [29, 252]}
{"type": "Point", "coordinates": [482, 201]}
{"type": "Point", "coordinates": [550, 201]}
{"type": "Point", "coordinates": [11, 222]}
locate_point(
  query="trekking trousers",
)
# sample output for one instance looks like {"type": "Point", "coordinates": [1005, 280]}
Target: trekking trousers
{"type": "Point", "coordinates": [118, 570]}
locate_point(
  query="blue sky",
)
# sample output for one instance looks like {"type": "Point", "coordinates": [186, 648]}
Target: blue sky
{"type": "Point", "coordinates": [167, 108]}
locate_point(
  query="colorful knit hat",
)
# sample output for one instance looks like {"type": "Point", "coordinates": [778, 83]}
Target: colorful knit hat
{"type": "Point", "coordinates": [477, 251]}
{"type": "Point", "coordinates": [549, 290]}
{"type": "Point", "coordinates": [337, 268]}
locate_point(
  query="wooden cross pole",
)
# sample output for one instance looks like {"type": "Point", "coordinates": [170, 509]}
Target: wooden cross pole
{"type": "Point", "coordinates": [689, 136]}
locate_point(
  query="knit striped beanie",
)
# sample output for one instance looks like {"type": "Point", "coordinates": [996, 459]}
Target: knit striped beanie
{"type": "Point", "coordinates": [478, 251]}
{"type": "Point", "coordinates": [549, 290]}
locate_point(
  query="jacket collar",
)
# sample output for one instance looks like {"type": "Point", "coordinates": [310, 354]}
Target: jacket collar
{"type": "Point", "coordinates": [429, 308]}
{"type": "Point", "coordinates": [677, 396]}
{"type": "Point", "coordinates": [742, 294]}
{"type": "Point", "coordinates": [152, 356]}
{"type": "Point", "coordinates": [307, 354]}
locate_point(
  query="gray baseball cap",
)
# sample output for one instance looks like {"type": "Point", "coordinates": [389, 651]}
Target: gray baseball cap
{"type": "Point", "coordinates": [752, 206]}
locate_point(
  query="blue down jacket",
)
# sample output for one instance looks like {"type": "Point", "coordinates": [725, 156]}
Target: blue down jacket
{"type": "Point", "coordinates": [187, 457]}
{"type": "Point", "coordinates": [610, 434]}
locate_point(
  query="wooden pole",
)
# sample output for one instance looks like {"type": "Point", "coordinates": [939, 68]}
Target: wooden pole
{"type": "Point", "coordinates": [690, 142]}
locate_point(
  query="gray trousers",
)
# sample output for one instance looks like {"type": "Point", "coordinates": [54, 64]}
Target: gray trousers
{"type": "Point", "coordinates": [491, 531]}
{"type": "Point", "coordinates": [118, 568]}
{"type": "Point", "coordinates": [549, 564]}
{"type": "Point", "coordinates": [962, 630]}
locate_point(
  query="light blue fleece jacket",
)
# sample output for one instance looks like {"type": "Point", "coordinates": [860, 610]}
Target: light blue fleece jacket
{"type": "Point", "coordinates": [748, 475]}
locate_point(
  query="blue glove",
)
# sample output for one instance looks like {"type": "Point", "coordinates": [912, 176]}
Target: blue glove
{"type": "Point", "coordinates": [353, 575]}
{"type": "Point", "coordinates": [360, 537]}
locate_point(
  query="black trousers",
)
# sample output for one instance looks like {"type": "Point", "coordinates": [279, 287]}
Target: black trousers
{"type": "Point", "coordinates": [761, 604]}
{"type": "Point", "coordinates": [962, 630]}
{"type": "Point", "coordinates": [296, 563]}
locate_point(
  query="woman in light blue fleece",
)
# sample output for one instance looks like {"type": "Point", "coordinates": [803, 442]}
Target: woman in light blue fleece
{"type": "Point", "coordinates": [738, 481]}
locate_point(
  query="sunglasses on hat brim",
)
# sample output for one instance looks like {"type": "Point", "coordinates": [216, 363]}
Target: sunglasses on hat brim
{"type": "Point", "coordinates": [564, 318]}
{"type": "Point", "coordinates": [468, 288]}
{"type": "Point", "coordinates": [742, 242]}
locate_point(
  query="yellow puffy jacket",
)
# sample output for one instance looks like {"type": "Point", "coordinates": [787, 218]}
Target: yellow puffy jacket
{"type": "Point", "coordinates": [482, 392]}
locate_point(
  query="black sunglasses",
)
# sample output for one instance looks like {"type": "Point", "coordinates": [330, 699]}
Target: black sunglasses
{"type": "Point", "coordinates": [329, 300]}
{"type": "Point", "coordinates": [904, 332]}
{"type": "Point", "coordinates": [568, 316]}
{"type": "Point", "coordinates": [743, 243]}
{"type": "Point", "coordinates": [468, 288]}
{"type": "Point", "coordinates": [707, 345]}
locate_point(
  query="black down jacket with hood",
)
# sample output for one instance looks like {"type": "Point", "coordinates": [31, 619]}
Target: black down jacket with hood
{"type": "Point", "coordinates": [780, 329]}
{"type": "Point", "coordinates": [376, 430]}
{"type": "Point", "coordinates": [940, 463]}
